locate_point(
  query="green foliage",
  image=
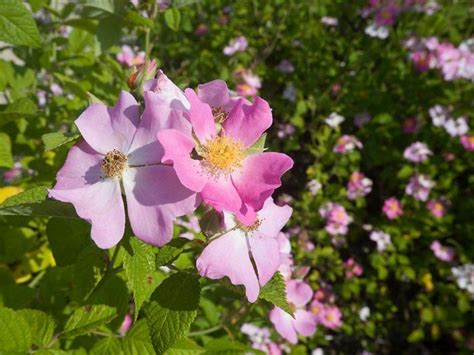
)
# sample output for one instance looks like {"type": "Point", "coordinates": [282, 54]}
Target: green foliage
{"type": "Point", "coordinates": [55, 140]}
{"type": "Point", "coordinates": [173, 18]}
{"type": "Point", "coordinates": [40, 324]}
{"type": "Point", "coordinates": [274, 292]}
{"type": "Point", "coordinates": [88, 318]}
{"type": "Point", "coordinates": [17, 25]}
{"type": "Point", "coordinates": [15, 332]}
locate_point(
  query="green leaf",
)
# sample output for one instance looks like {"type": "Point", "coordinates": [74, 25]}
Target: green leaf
{"type": "Point", "coordinates": [104, 5]}
{"type": "Point", "coordinates": [168, 253]}
{"type": "Point", "coordinates": [17, 109]}
{"type": "Point", "coordinates": [275, 292]}
{"type": "Point", "coordinates": [6, 159]}
{"type": "Point", "coordinates": [185, 347]}
{"type": "Point", "coordinates": [172, 309]}
{"type": "Point", "coordinates": [32, 203]}
{"type": "Point", "coordinates": [107, 346]}
{"type": "Point", "coordinates": [55, 140]}
{"type": "Point", "coordinates": [258, 146]}
{"type": "Point", "coordinates": [137, 341]}
{"type": "Point", "coordinates": [211, 223]}
{"type": "Point", "coordinates": [139, 265]}
{"type": "Point", "coordinates": [67, 238]}
{"type": "Point", "coordinates": [16, 296]}
{"type": "Point", "coordinates": [17, 25]}
{"type": "Point", "coordinates": [226, 346]}
{"type": "Point", "coordinates": [109, 32]}
{"type": "Point", "coordinates": [173, 18]}
{"type": "Point", "coordinates": [137, 19]}
{"type": "Point", "coordinates": [41, 325]}
{"type": "Point", "coordinates": [88, 318]}
{"type": "Point", "coordinates": [15, 333]}
{"type": "Point", "coordinates": [416, 335]}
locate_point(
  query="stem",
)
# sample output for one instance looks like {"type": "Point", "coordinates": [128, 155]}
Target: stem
{"type": "Point", "coordinates": [205, 331]}
{"type": "Point", "coordinates": [37, 279]}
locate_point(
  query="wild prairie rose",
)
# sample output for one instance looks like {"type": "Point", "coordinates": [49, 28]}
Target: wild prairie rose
{"type": "Point", "coordinates": [439, 115]}
{"type": "Point", "coordinates": [299, 294]}
{"type": "Point", "coordinates": [467, 142]}
{"type": "Point", "coordinates": [285, 130]}
{"type": "Point", "coordinates": [330, 317]}
{"type": "Point", "coordinates": [314, 186]}
{"type": "Point", "coordinates": [464, 275]}
{"type": "Point", "coordinates": [376, 31]}
{"type": "Point", "coordinates": [126, 324]}
{"type": "Point", "coordinates": [329, 21]}
{"type": "Point", "coordinates": [437, 208]}
{"type": "Point", "coordinates": [352, 268]}
{"type": "Point", "coordinates": [260, 339]}
{"type": "Point", "coordinates": [252, 83]}
{"type": "Point", "coordinates": [346, 144]}
{"type": "Point", "coordinates": [337, 219]}
{"type": "Point", "coordinates": [421, 60]}
{"type": "Point", "coordinates": [118, 148]}
{"type": "Point", "coordinates": [334, 120]}
{"type": "Point", "coordinates": [419, 187]}
{"type": "Point", "coordinates": [129, 57]}
{"type": "Point", "coordinates": [443, 253]}
{"type": "Point", "coordinates": [228, 176]}
{"type": "Point", "coordinates": [392, 208]}
{"type": "Point", "coordinates": [456, 127]}
{"type": "Point", "coordinates": [417, 152]}
{"type": "Point", "coordinates": [238, 44]}
{"type": "Point", "coordinates": [382, 239]}
{"type": "Point", "coordinates": [359, 185]}
{"type": "Point", "coordinates": [229, 255]}
{"type": "Point", "coordinates": [387, 15]}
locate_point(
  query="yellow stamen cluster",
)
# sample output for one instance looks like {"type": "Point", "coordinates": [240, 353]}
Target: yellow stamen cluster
{"type": "Point", "coordinates": [114, 163]}
{"type": "Point", "coordinates": [222, 155]}
{"type": "Point", "coordinates": [250, 228]}
{"type": "Point", "coordinates": [219, 114]}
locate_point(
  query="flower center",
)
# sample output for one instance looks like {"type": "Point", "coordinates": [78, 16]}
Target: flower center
{"type": "Point", "coordinates": [250, 228]}
{"type": "Point", "coordinates": [219, 114]}
{"type": "Point", "coordinates": [114, 163]}
{"type": "Point", "coordinates": [222, 155]}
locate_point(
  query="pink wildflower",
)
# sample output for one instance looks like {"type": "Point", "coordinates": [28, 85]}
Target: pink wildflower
{"type": "Point", "coordinates": [387, 15]}
{"type": "Point", "coordinates": [238, 44]}
{"type": "Point", "coordinates": [337, 219]}
{"type": "Point", "coordinates": [467, 142]}
{"type": "Point", "coordinates": [392, 208]}
{"type": "Point", "coordinates": [118, 146]}
{"type": "Point", "coordinates": [419, 187]}
{"type": "Point", "coordinates": [421, 60]}
{"type": "Point", "coordinates": [285, 130]}
{"type": "Point", "coordinates": [443, 253]}
{"type": "Point", "coordinates": [437, 208]}
{"type": "Point", "coordinates": [226, 174]}
{"type": "Point", "coordinates": [229, 254]}
{"type": "Point", "coordinates": [298, 294]}
{"type": "Point", "coordinates": [346, 144]}
{"type": "Point", "coordinates": [417, 152]}
{"type": "Point", "coordinates": [359, 185]}
{"type": "Point", "coordinates": [382, 239]}
{"type": "Point", "coordinates": [129, 57]}
{"type": "Point", "coordinates": [126, 324]}
{"type": "Point", "coordinates": [410, 125]}
{"type": "Point", "coordinates": [331, 317]}
{"type": "Point", "coordinates": [353, 269]}
{"type": "Point", "coordinates": [12, 174]}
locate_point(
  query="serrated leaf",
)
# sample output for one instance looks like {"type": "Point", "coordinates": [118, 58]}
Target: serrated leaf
{"type": "Point", "coordinates": [107, 346]}
{"type": "Point", "coordinates": [137, 341]}
{"type": "Point", "coordinates": [17, 109]}
{"type": "Point", "coordinates": [55, 140]}
{"type": "Point", "coordinates": [41, 325]}
{"type": "Point", "coordinates": [169, 252]}
{"type": "Point", "coordinates": [67, 238]}
{"type": "Point", "coordinates": [88, 318]}
{"type": "Point", "coordinates": [185, 347]}
{"type": "Point", "coordinates": [139, 265]}
{"type": "Point", "coordinates": [17, 25]}
{"type": "Point", "coordinates": [275, 292]}
{"type": "Point", "coordinates": [173, 18]}
{"type": "Point", "coordinates": [258, 146]}
{"type": "Point", "coordinates": [32, 203]}
{"type": "Point", "coordinates": [172, 309]}
{"type": "Point", "coordinates": [6, 159]}
{"type": "Point", "coordinates": [15, 333]}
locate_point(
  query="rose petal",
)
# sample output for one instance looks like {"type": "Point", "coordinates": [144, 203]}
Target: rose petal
{"type": "Point", "coordinates": [305, 322]}
{"type": "Point", "coordinates": [168, 92]}
{"type": "Point", "coordinates": [266, 254]}
{"type": "Point", "coordinates": [298, 292]}
{"type": "Point", "coordinates": [283, 323]}
{"type": "Point", "coordinates": [214, 93]}
{"type": "Point", "coordinates": [273, 218]}
{"type": "Point", "coordinates": [201, 118]}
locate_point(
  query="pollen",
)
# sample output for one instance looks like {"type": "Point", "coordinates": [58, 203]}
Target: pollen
{"type": "Point", "coordinates": [219, 114]}
{"type": "Point", "coordinates": [250, 228]}
{"type": "Point", "coordinates": [222, 155]}
{"type": "Point", "coordinates": [114, 163]}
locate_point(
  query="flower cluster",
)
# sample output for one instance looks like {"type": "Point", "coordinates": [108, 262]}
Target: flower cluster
{"type": "Point", "coordinates": [187, 148]}
{"type": "Point", "coordinates": [441, 117]}
{"type": "Point", "coordinates": [346, 144]}
{"type": "Point", "coordinates": [359, 185]}
{"type": "Point", "coordinates": [337, 219]}
{"type": "Point", "coordinates": [464, 276]}
{"type": "Point", "coordinates": [419, 187]}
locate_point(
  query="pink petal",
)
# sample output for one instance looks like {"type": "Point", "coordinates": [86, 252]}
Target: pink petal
{"type": "Point", "coordinates": [168, 92]}
{"type": "Point", "coordinates": [305, 322]}
{"type": "Point", "coordinates": [106, 129]}
{"type": "Point", "coordinates": [229, 256]}
{"type": "Point", "coordinates": [214, 93]}
{"type": "Point", "coordinates": [81, 168]}
{"type": "Point", "coordinates": [158, 115]}
{"type": "Point", "coordinates": [266, 254]}
{"type": "Point", "coordinates": [201, 117]}
{"type": "Point", "coordinates": [220, 193]}
{"type": "Point", "coordinates": [273, 217]}
{"type": "Point", "coordinates": [155, 197]}
{"type": "Point", "coordinates": [101, 205]}
{"type": "Point", "coordinates": [177, 147]}
{"type": "Point", "coordinates": [260, 176]}
{"type": "Point", "coordinates": [283, 323]}
{"type": "Point", "coordinates": [247, 123]}
{"type": "Point", "coordinates": [298, 292]}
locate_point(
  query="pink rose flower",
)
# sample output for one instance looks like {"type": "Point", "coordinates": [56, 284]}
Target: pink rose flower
{"type": "Point", "coordinates": [392, 208]}
{"type": "Point", "coordinates": [443, 253]}
{"type": "Point", "coordinates": [223, 170]}
{"type": "Point", "coordinates": [467, 142]}
{"type": "Point", "coordinates": [359, 185]}
{"type": "Point", "coordinates": [128, 57]}
{"type": "Point", "coordinates": [337, 219]}
{"type": "Point", "coordinates": [346, 144]}
{"type": "Point", "coordinates": [417, 152]}
{"type": "Point", "coordinates": [238, 44]}
{"type": "Point", "coordinates": [437, 208]}
{"type": "Point", "coordinates": [229, 254]}
{"type": "Point", "coordinates": [299, 294]}
{"type": "Point", "coordinates": [126, 324]}
{"type": "Point", "coordinates": [353, 269]}
{"type": "Point", "coordinates": [330, 317]}
{"type": "Point", "coordinates": [119, 147]}
{"type": "Point", "coordinates": [419, 187]}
